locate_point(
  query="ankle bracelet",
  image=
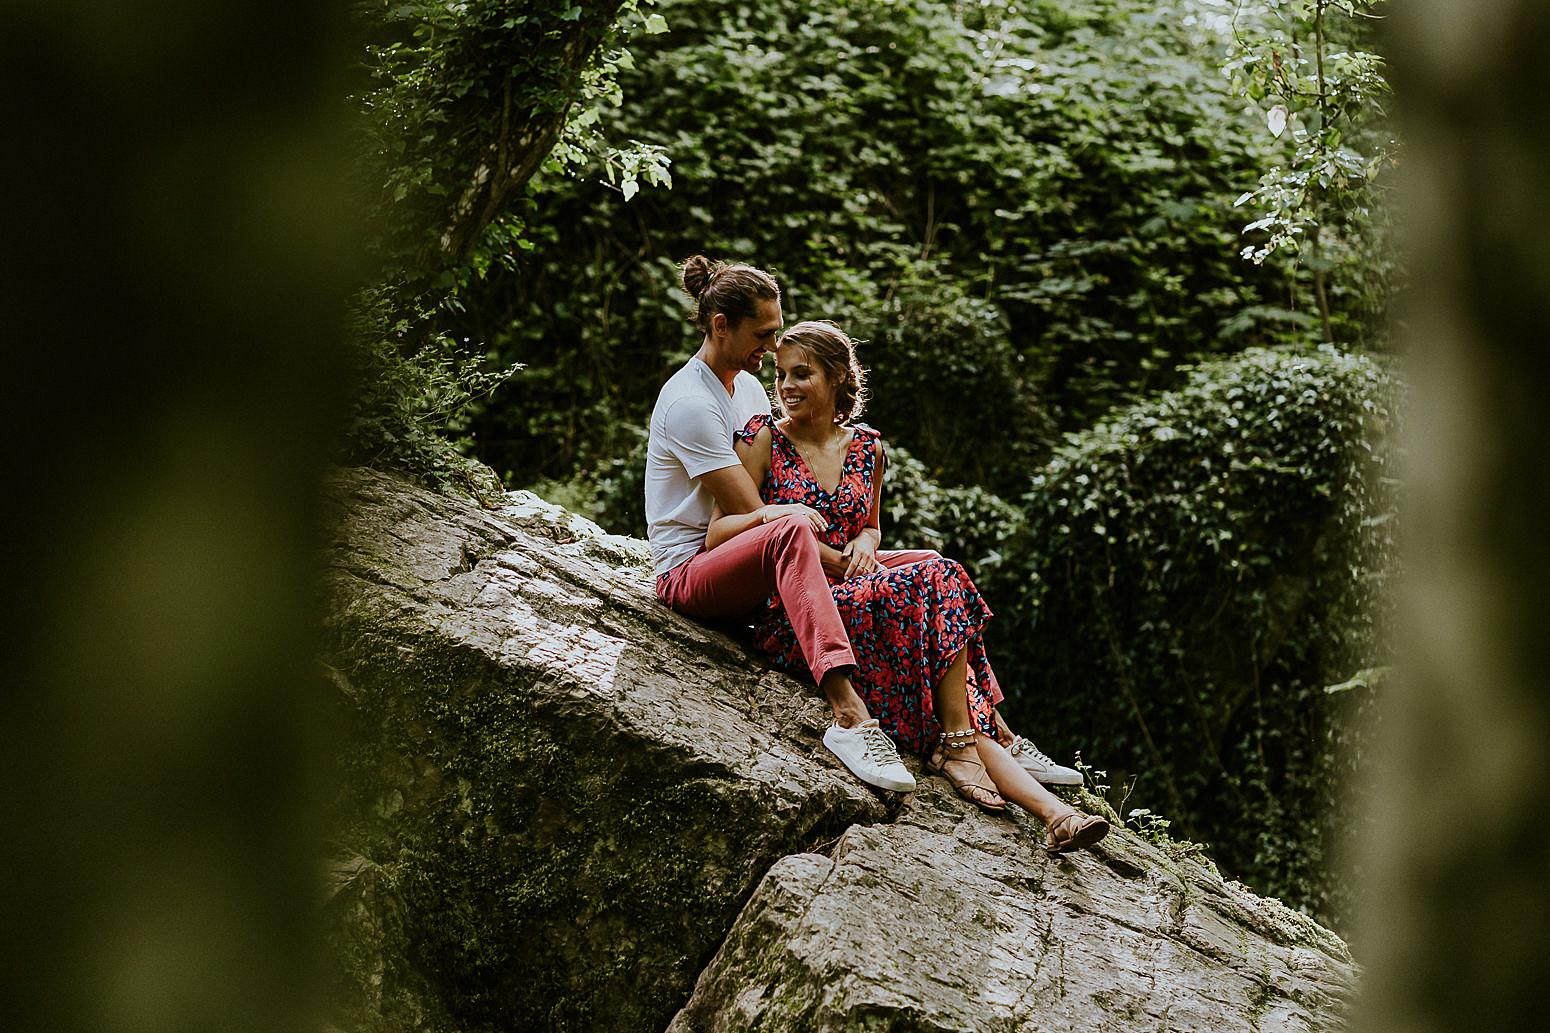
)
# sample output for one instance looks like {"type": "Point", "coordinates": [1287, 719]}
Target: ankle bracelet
{"type": "Point", "coordinates": [959, 740]}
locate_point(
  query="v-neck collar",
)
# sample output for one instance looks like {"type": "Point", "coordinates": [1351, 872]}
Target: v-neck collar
{"type": "Point", "coordinates": [808, 470]}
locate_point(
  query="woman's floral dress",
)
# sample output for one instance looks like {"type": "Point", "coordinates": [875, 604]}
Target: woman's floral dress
{"type": "Point", "coordinates": [906, 621]}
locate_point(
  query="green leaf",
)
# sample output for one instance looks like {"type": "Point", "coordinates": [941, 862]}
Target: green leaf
{"type": "Point", "coordinates": [655, 24]}
{"type": "Point", "coordinates": [1370, 678]}
{"type": "Point", "coordinates": [1275, 119]}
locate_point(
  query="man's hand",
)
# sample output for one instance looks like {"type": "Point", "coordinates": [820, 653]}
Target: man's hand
{"type": "Point", "coordinates": [860, 556]}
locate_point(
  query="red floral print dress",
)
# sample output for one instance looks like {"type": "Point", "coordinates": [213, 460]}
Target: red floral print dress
{"type": "Point", "coordinates": [906, 621]}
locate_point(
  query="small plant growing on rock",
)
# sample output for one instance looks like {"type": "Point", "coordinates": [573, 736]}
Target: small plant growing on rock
{"type": "Point", "coordinates": [1152, 827]}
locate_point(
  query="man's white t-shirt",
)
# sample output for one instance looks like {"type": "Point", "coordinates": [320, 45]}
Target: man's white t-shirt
{"type": "Point", "coordinates": [691, 436]}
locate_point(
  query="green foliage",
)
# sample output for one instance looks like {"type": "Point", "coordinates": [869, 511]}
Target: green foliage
{"type": "Point", "coordinates": [943, 376]}
{"type": "Point", "coordinates": [460, 106]}
{"type": "Point", "coordinates": [621, 491]}
{"type": "Point", "coordinates": [1027, 210]}
{"type": "Point", "coordinates": [969, 524]}
{"type": "Point", "coordinates": [412, 397]}
{"type": "Point", "coordinates": [1195, 571]}
{"type": "Point", "coordinates": [1151, 827]}
{"type": "Point", "coordinates": [1305, 62]}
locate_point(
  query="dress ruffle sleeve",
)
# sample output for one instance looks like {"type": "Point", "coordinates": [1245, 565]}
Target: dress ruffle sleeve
{"type": "Point", "coordinates": [755, 424]}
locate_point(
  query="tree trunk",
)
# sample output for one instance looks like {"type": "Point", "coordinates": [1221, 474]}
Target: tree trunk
{"type": "Point", "coordinates": [1456, 934]}
{"type": "Point", "coordinates": [496, 169]}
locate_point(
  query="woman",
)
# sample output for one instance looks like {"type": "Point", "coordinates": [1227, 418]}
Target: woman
{"type": "Point", "coordinates": [914, 618]}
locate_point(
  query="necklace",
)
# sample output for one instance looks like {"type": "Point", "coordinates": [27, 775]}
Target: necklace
{"type": "Point", "coordinates": [825, 449]}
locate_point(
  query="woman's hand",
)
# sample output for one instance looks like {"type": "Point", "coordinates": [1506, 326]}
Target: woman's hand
{"type": "Point", "coordinates": [796, 509]}
{"type": "Point", "coordinates": [860, 555]}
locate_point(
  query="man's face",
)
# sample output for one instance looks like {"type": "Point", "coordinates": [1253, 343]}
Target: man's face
{"type": "Point", "coordinates": [754, 337]}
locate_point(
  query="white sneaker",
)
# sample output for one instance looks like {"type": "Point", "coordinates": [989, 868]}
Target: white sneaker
{"type": "Point", "coordinates": [1038, 764]}
{"type": "Point", "coordinates": [870, 755]}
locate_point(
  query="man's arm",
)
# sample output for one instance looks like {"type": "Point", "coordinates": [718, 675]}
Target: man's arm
{"type": "Point", "coordinates": [735, 484]}
{"type": "Point", "coordinates": [733, 489]}
{"type": "Point", "coordinates": [755, 457]}
{"type": "Point", "coordinates": [699, 440]}
{"type": "Point", "coordinates": [724, 527]}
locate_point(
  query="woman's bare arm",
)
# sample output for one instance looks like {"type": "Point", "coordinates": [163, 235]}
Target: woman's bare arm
{"type": "Point", "coordinates": [874, 519]}
{"type": "Point", "coordinates": [860, 553]}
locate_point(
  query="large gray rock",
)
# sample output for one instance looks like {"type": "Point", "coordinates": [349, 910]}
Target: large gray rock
{"type": "Point", "coordinates": [559, 798]}
{"type": "Point", "coordinates": [947, 920]}
{"type": "Point", "coordinates": [561, 792]}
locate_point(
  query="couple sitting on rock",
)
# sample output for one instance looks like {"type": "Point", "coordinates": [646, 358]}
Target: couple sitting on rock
{"type": "Point", "coordinates": [778, 519]}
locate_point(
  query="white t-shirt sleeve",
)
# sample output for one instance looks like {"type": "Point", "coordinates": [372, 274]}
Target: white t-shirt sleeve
{"type": "Point", "coordinates": [698, 437]}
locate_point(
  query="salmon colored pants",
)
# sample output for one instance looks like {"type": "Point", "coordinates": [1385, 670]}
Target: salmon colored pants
{"type": "Point", "coordinates": [782, 556]}
{"type": "Point", "coordinates": [734, 578]}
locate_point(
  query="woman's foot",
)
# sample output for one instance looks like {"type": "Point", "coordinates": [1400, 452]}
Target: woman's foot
{"type": "Point", "coordinates": [1074, 830]}
{"type": "Point", "coordinates": [957, 759]}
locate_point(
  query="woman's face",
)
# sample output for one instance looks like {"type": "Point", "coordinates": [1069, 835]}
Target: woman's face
{"type": "Point", "coordinates": [804, 390]}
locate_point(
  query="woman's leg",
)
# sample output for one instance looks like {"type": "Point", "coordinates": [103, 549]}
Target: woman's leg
{"type": "Point", "coordinates": [1010, 777]}
{"type": "Point", "coordinates": [959, 764]}
{"type": "Point", "coordinates": [1066, 828]}
{"type": "Point", "coordinates": [1017, 785]}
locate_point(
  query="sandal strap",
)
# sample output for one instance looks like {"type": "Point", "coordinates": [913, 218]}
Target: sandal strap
{"type": "Point", "coordinates": [975, 781]}
{"type": "Point", "coordinates": [1065, 819]}
{"type": "Point", "coordinates": [1073, 836]}
{"type": "Point", "coordinates": [1066, 832]}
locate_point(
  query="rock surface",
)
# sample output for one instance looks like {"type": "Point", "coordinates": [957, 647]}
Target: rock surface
{"type": "Point", "coordinates": [558, 798]}
{"type": "Point", "coordinates": [946, 920]}
{"type": "Point", "coordinates": [564, 791]}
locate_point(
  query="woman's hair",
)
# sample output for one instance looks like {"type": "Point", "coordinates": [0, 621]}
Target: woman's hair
{"type": "Point", "coordinates": [835, 354]}
{"type": "Point", "coordinates": [735, 290]}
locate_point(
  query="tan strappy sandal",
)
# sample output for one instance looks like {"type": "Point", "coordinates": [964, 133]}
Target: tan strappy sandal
{"type": "Point", "coordinates": [1073, 831]}
{"type": "Point", "coordinates": [978, 790]}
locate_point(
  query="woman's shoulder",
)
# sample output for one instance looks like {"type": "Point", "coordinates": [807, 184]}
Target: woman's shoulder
{"type": "Point", "coordinates": [759, 423]}
{"type": "Point", "coordinates": [871, 437]}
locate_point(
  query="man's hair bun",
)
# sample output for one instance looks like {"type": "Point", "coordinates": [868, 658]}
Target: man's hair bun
{"type": "Point", "coordinates": [733, 289]}
{"type": "Point", "coordinates": [697, 274]}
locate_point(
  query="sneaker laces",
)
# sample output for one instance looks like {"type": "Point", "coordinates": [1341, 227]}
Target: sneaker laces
{"type": "Point", "coordinates": [879, 748]}
{"type": "Point", "coordinates": [1025, 746]}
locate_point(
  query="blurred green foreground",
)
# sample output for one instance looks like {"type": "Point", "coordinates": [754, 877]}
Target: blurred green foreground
{"type": "Point", "coordinates": [176, 263]}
